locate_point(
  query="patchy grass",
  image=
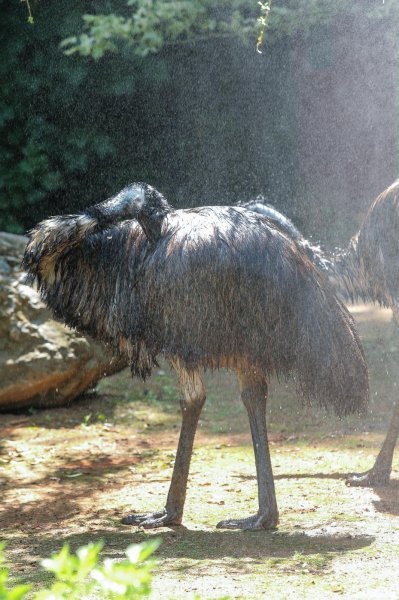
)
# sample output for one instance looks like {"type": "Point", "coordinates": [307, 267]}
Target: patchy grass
{"type": "Point", "coordinates": [69, 474]}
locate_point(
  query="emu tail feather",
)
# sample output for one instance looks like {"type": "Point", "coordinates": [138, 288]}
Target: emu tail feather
{"type": "Point", "coordinates": [331, 365]}
{"type": "Point", "coordinates": [50, 240]}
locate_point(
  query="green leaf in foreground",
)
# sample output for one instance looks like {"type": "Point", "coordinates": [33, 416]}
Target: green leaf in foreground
{"type": "Point", "coordinates": [83, 575]}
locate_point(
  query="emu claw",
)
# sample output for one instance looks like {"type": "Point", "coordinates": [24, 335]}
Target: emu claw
{"type": "Point", "coordinates": [368, 479]}
{"type": "Point", "coordinates": [153, 520]}
{"type": "Point", "coordinates": [254, 523]}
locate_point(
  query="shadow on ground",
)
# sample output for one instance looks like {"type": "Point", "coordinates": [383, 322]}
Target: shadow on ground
{"type": "Point", "coordinates": [181, 542]}
{"type": "Point", "coordinates": [297, 476]}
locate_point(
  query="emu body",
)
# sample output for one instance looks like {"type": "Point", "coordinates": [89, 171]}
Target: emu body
{"type": "Point", "coordinates": [184, 294]}
{"type": "Point", "coordinates": [313, 252]}
{"type": "Point", "coordinates": [367, 270]}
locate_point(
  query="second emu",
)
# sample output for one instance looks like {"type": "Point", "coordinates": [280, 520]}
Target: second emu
{"type": "Point", "coordinates": [367, 270]}
{"type": "Point", "coordinates": [209, 287]}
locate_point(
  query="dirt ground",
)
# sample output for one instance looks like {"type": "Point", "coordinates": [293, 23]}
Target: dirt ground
{"type": "Point", "coordinates": [70, 474]}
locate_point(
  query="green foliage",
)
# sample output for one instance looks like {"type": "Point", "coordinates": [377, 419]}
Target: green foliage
{"type": "Point", "coordinates": [46, 136]}
{"type": "Point", "coordinates": [83, 575]}
{"type": "Point", "coordinates": [63, 123]}
{"type": "Point", "coordinates": [74, 130]}
{"type": "Point", "coordinates": [184, 104]}
{"type": "Point", "coordinates": [152, 24]}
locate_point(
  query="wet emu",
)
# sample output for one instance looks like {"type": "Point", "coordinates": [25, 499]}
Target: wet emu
{"type": "Point", "coordinates": [185, 294]}
{"type": "Point", "coordinates": [367, 270]}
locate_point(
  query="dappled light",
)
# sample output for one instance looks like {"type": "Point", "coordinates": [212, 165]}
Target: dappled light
{"type": "Point", "coordinates": [199, 299]}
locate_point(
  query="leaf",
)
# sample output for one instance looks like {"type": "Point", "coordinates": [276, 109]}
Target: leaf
{"type": "Point", "coordinates": [137, 553]}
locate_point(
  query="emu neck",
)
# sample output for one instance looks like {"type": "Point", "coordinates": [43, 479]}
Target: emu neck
{"type": "Point", "coordinates": [151, 222]}
{"type": "Point", "coordinates": [347, 273]}
{"type": "Point", "coordinates": [152, 227]}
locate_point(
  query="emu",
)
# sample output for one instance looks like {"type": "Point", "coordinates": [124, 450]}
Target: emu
{"type": "Point", "coordinates": [368, 270]}
{"type": "Point", "coordinates": [184, 293]}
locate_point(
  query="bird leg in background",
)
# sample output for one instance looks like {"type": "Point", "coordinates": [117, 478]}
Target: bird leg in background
{"type": "Point", "coordinates": [380, 473]}
{"type": "Point", "coordinates": [254, 394]}
{"type": "Point", "coordinates": [192, 400]}
{"type": "Point", "coordinates": [395, 314]}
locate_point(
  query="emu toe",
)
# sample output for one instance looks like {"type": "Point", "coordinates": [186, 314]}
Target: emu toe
{"type": "Point", "coordinates": [254, 523]}
{"type": "Point", "coordinates": [372, 478]}
{"type": "Point", "coordinates": [153, 520]}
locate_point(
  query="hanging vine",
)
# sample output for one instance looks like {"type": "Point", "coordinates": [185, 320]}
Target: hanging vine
{"type": "Point", "coordinates": [30, 15]}
{"type": "Point", "coordinates": [263, 22]}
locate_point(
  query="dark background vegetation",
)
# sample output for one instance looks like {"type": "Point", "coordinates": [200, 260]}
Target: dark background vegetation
{"type": "Point", "coordinates": [311, 122]}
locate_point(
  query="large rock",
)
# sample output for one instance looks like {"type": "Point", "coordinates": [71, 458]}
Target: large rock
{"type": "Point", "coordinates": [42, 363]}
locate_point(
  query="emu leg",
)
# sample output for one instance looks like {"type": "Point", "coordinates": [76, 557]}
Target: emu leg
{"type": "Point", "coordinates": [380, 473]}
{"type": "Point", "coordinates": [395, 314]}
{"type": "Point", "coordinates": [254, 394]}
{"type": "Point", "coordinates": [192, 400]}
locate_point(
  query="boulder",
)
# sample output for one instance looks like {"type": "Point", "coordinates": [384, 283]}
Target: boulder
{"type": "Point", "coordinates": [42, 363]}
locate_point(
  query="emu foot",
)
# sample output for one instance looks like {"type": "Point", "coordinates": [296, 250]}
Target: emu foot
{"type": "Point", "coordinates": [152, 520]}
{"type": "Point", "coordinates": [256, 522]}
{"type": "Point", "coordinates": [372, 478]}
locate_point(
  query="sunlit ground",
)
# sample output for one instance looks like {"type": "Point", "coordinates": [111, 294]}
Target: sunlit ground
{"type": "Point", "coordinates": [70, 474]}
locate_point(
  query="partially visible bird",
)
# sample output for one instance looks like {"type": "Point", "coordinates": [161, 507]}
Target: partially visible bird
{"type": "Point", "coordinates": [367, 270]}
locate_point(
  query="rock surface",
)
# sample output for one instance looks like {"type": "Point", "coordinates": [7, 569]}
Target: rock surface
{"type": "Point", "coordinates": [42, 363]}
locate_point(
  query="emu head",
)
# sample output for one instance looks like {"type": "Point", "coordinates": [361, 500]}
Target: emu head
{"type": "Point", "coordinates": [133, 201]}
{"type": "Point", "coordinates": [126, 204]}
{"type": "Point", "coordinates": [136, 201]}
